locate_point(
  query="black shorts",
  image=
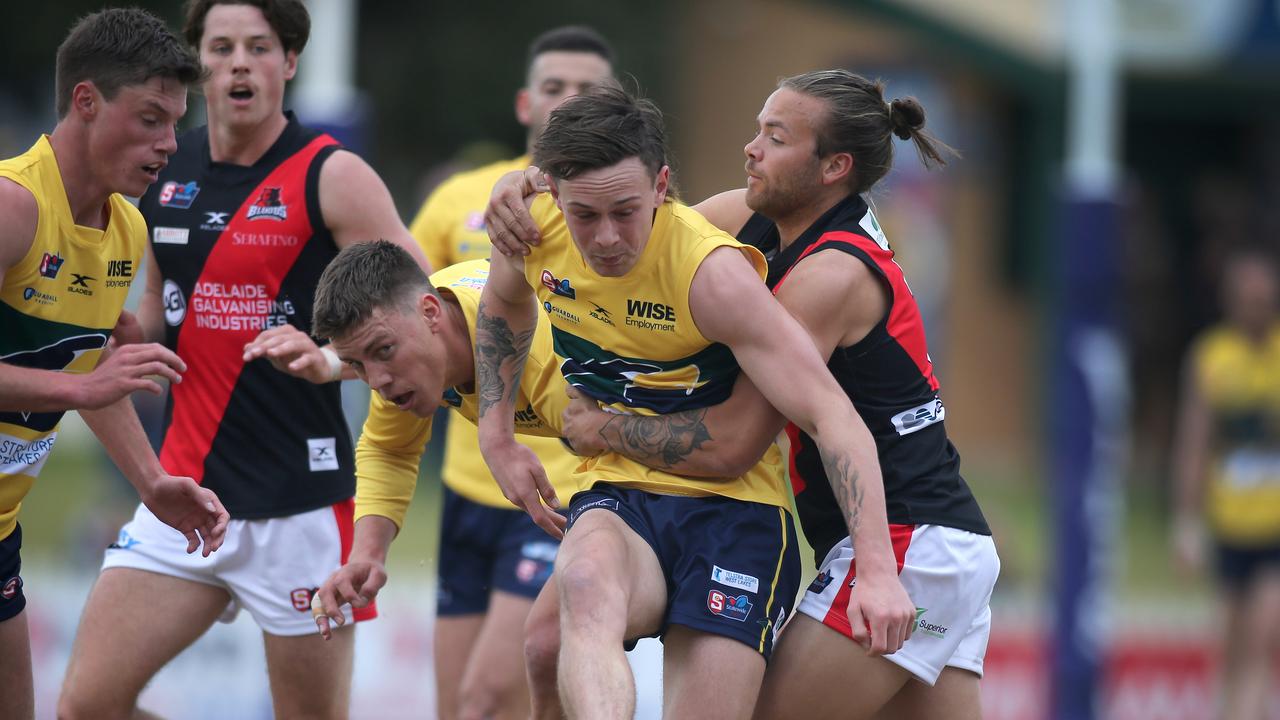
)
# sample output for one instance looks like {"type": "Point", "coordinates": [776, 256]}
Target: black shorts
{"type": "Point", "coordinates": [12, 601]}
{"type": "Point", "coordinates": [1237, 566]}
{"type": "Point", "coordinates": [484, 548]}
{"type": "Point", "coordinates": [732, 567]}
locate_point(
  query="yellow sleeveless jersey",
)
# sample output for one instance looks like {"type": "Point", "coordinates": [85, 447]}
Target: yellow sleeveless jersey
{"type": "Point", "coordinates": [631, 343]}
{"type": "Point", "coordinates": [1241, 384]}
{"type": "Point", "coordinates": [450, 229]}
{"type": "Point", "coordinates": [392, 441]}
{"type": "Point", "coordinates": [58, 306]}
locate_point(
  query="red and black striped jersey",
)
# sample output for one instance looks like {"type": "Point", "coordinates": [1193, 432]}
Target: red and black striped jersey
{"type": "Point", "coordinates": [888, 376]}
{"type": "Point", "coordinates": [240, 249]}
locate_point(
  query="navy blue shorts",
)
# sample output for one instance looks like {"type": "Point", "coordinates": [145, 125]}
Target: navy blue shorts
{"type": "Point", "coordinates": [12, 601]}
{"type": "Point", "coordinates": [1238, 566]}
{"type": "Point", "coordinates": [484, 548]}
{"type": "Point", "coordinates": [732, 567]}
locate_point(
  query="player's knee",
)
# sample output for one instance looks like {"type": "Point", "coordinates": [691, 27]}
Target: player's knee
{"type": "Point", "coordinates": [586, 585]}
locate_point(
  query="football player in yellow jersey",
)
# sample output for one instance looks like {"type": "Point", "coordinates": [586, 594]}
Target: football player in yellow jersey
{"type": "Point", "coordinates": [121, 86]}
{"type": "Point", "coordinates": [410, 339]}
{"type": "Point", "coordinates": [1227, 472]}
{"type": "Point", "coordinates": [605, 154]}
{"type": "Point", "coordinates": [485, 588]}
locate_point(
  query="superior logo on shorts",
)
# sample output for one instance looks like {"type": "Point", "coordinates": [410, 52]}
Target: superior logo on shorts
{"type": "Point", "coordinates": [11, 588]}
{"type": "Point", "coordinates": [733, 579]}
{"type": "Point", "coordinates": [929, 628]}
{"type": "Point", "coordinates": [726, 606]}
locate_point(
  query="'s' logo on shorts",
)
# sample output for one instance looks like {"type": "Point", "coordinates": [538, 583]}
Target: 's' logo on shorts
{"type": "Point", "coordinates": [301, 598]}
{"type": "Point", "coordinates": [726, 606]}
{"type": "Point", "coordinates": [11, 588]}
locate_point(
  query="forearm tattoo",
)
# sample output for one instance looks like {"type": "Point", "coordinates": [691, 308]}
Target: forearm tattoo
{"type": "Point", "coordinates": [497, 346]}
{"type": "Point", "coordinates": [843, 476]}
{"type": "Point", "coordinates": [659, 441]}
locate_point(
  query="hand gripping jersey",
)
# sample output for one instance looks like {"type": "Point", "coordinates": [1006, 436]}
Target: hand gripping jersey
{"type": "Point", "coordinates": [889, 377]}
{"type": "Point", "coordinates": [392, 441]}
{"type": "Point", "coordinates": [1240, 380]}
{"type": "Point", "coordinates": [630, 342]}
{"type": "Point", "coordinates": [58, 306]}
{"type": "Point", "coordinates": [450, 229]}
{"type": "Point", "coordinates": [241, 250]}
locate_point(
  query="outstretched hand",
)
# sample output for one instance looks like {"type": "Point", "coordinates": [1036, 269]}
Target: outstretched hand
{"type": "Point", "coordinates": [524, 483]}
{"type": "Point", "coordinates": [127, 369]}
{"type": "Point", "coordinates": [190, 509]}
{"type": "Point", "coordinates": [356, 584]}
{"type": "Point", "coordinates": [292, 351]}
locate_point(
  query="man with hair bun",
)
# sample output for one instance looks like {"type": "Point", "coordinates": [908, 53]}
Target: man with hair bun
{"type": "Point", "coordinates": [825, 138]}
{"type": "Point", "coordinates": [244, 219]}
{"type": "Point", "coordinates": [70, 243]}
{"type": "Point", "coordinates": [653, 310]}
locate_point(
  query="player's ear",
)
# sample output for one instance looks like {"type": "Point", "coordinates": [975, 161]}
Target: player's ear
{"type": "Point", "coordinates": [522, 107]}
{"type": "Point", "coordinates": [431, 310]}
{"type": "Point", "coordinates": [85, 99]}
{"type": "Point", "coordinates": [290, 64]}
{"type": "Point", "coordinates": [837, 168]}
{"type": "Point", "coordinates": [554, 188]}
{"type": "Point", "coordinates": [662, 183]}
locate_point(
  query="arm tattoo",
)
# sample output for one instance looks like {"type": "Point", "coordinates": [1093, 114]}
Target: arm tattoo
{"type": "Point", "coordinates": [659, 441]}
{"type": "Point", "coordinates": [843, 476]}
{"type": "Point", "coordinates": [497, 346]}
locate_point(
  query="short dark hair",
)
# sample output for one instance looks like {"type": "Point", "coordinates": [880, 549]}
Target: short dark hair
{"type": "Point", "coordinates": [289, 18]}
{"type": "Point", "coordinates": [600, 128]}
{"type": "Point", "coordinates": [570, 38]}
{"type": "Point", "coordinates": [119, 47]}
{"type": "Point", "coordinates": [362, 277]}
{"type": "Point", "coordinates": [859, 121]}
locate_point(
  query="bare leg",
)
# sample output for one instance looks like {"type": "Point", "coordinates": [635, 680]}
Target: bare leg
{"type": "Point", "coordinates": [311, 677]}
{"type": "Point", "coordinates": [494, 683]}
{"type": "Point", "coordinates": [956, 696]}
{"type": "Point", "coordinates": [133, 624]}
{"type": "Point", "coordinates": [810, 662]}
{"type": "Point", "coordinates": [611, 587]}
{"type": "Point", "coordinates": [16, 684]}
{"type": "Point", "coordinates": [541, 654]}
{"type": "Point", "coordinates": [695, 681]}
{"type": "Point", "coordinates": [1253, 625]}
{"type": "Point", "coordinates": [455, 636]}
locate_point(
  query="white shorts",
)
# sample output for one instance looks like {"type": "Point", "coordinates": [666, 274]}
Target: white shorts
{"type": "Point", "coordinates": [271, 566]}
{"type": "Point", "coordinates": [948, 574]}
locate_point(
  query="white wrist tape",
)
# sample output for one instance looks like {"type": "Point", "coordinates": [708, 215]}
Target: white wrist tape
{"type": "Point", "coordinates": [335, 364]}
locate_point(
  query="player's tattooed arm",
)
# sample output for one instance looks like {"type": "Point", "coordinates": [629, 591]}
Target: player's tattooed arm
{"type": "Point", "coordinates": [660, 441]}
{"type": "Point", "coordinates": [721, 441]}
{"type": "Point", "coordinates": [842, 473]}
{"type": "Point", "coordinates": [500, 358]}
